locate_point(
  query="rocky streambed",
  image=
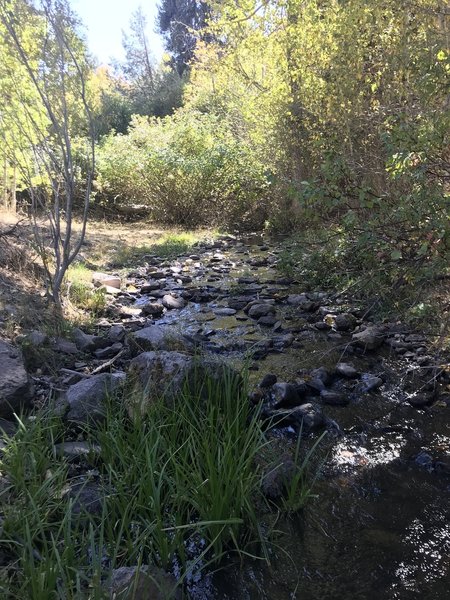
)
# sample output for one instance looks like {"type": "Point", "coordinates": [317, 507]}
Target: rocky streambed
{"type": "Point", "coordinates": [378, 525]}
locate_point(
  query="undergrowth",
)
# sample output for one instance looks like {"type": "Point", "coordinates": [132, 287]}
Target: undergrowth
{"type": "Point", "coordinates": [180, 490]}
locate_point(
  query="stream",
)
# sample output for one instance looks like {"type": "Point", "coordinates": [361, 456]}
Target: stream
{"type": "Point", "coordinates": [378, 524]}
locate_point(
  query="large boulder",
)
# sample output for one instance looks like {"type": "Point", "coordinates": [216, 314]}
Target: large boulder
{"type": "Point", "coordinates": [16, 390]}
{"type": "Point", "coordinates": [142, 583]}
{"type": "Point", "coordinates": [87, 399]}
{"type": "Point", "coordinates": [370, 338]}
{"type": "Point", "coordinates": [156, 337]}
{"type": "Point", "coordinates": [153, 376]}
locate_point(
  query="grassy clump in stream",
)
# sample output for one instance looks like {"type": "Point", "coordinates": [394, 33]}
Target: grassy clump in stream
{"type": "Point", "coordinates": [180, 489]}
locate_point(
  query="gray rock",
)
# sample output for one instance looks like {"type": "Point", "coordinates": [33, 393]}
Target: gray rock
{"type": "Point", "coordinates": [156, 337]}
{"type": "Point", "coordinates": [64, 346]}
{"type": "Point", "coordinates": [297, 299]}
{"type": "Point", "coordinates": [172, 302]}
{"type": "Point", "coordinates": [150, 286]}
{"type": "Point", "coordinates": [156, 375]}
{"type": "Point", "coordinates": [370, 338]}
{"type": "Point", "coordinates": [37, 338]}
{"type": "Point", "coordinates": [86, 399]}
{"type": "Point", "coordinates": [87, 498]}
{"type": "Point", "coordinates": [117, 333]}
{"type": "Point", "coordinates": [268, 380]}
{"type": "Point", "coordinates": [100, 279]}
{"type": "Point", "coordinates": [277, 477]}
{"type": "Point", "coordinates": [309, 416]}
{"type": "Point", "coordinates": [421, 399]}
{"type": "Point", "coordinates": [321, 373]}
{"type": "Point", "coordinates": [346, 370]}
{"type": "Point", "coordinates": [84, 341]}
{"type": "Point", "coordinates": [143, 583]}
{"type": "Point", "coordinates": [345, 322]}
{"type": "Point", "coordinates": [285, 394]}
{"type": "Point", "coordinates": [16, 390]}
{"type": "Point", "coordinates": [224, 311]}
{"type": "Point", "coordinates": [267, 321]}
{"type": "Point", "coordinates": [370, 382]}
{"type": "Point", "coordinates": [154, 309]}
{"type": "Point", "coordinates": [333, 398]}
{"type": "Point", "coordinates": [260, 310]}
{"type": "Point", "coordinates": [76, 450]}
{"type": "Point", "coordinates": [109, 352]}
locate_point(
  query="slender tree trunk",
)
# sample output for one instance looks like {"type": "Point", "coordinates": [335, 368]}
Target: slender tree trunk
{"type": "Point", "coordinates": [14, 190]}
{"type": "Point", "coordinates": [5, 183]}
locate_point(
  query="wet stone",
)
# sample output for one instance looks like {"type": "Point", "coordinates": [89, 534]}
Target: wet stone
{"type": "Point", "coordinates": [370, 382]}
{"type": "Point", "coordinates": [334, 398]}
{"type": "Point", "coordinates": [346, 370]}
{"type": "Point", "coordinates": [172, 302]}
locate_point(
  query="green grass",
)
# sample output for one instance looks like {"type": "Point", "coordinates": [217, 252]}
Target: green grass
{"type": "Point", "coordinates": [80, 291]}
{"type": "Point", "coordinates": [169, 246]}
{"type": "Point", "coordinates": [182, 486]}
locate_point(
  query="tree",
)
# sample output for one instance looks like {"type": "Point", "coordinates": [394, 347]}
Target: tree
{"type": "Point", "coordinates": [43, 40]}
{"type": "Point", "coordinates": [182, 23]}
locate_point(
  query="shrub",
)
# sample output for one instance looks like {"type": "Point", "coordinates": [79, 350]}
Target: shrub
{"type": "Point", "coordinates": [188, 169]}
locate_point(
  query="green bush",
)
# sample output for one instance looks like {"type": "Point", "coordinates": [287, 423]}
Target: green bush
{"type": "Point", "coordinates": [188, 169]}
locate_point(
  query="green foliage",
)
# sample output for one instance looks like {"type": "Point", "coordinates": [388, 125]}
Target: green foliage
{"type": "Point", "coordinates": [181, 485]}
{"type": "Point", "coordinates": [188, 169]}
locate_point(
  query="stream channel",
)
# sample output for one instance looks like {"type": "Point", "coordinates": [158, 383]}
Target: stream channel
{"type": "Point", "coordinates": [378, 524]}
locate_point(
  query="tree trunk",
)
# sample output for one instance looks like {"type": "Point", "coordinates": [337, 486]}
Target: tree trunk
{"type": "Point", "coordinates": [5, 184]}
{"type": "Point", "coordinates": [14, 190]}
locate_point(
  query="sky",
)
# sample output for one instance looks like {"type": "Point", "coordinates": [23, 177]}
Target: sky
{"type": "Point", "coordinates": [104, 21]}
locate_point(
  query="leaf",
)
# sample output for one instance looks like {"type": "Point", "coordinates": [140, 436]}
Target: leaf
{"type": "Point", "coordinates": [396, 255]}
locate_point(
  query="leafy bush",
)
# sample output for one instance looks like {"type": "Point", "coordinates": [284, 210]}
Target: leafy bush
{"type": "Point", "coordinates": [189, 169]}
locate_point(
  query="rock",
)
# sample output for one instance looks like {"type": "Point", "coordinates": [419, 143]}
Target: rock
{"type": "Point", "coordinates": [333, 398]}
{"type": "Point", "coordinates": [155, 309]}
{"type": "Point", "coordinates": [421, 399]}
{"type": "Point", "coordinates": [16, 390]}
{"type": "Point", "coordinates": [150, 286]}
{"type": "Point", "coordinates": [346, 370]}
{"type": "Point", "coordinates": [321, 373]}
{"type": "Point", "coordinates": [156, 375]}
{"type": "Point", "coordinates": [87, 399]}
{"type": "Point", "coordinates": [36, 338]}
{"type": "Point", "coordinates": [76, 450]}
{"type": "Point", "coordinates": [224, 311]}
{"type": "Point", "coordinates": [268, 380]}
{"type": "Point", "coordinates": [117, 333]}
{"type": "Point", "coordinates": [238, 302]}
{"type": "Point", "coordinates": [64, 346]}
{"type": "Point", "coordinates": [142, 583]}
{"type": "Point", "coordinates": [297, 299]}
{"type": "Point", "coordinates": [267, 321]}
{"type": "Point", "coordinates": [171, 302]}
{"type": "Point", "coordinates": [109, 352]}
{"type": "Point", "coordinates": [83, 341]}
{"type": "Point", "coordinates": [167, 375]}
{"type": "Point", "coordinates": [285, 394]}
{"type": "Point", "coordinates": [370, 382]}
{"type": "Point", "coordinates": [99, 279]}
{"type": "Point", "coordinates": [278, 477]}
{"type": "Point", "coordinates": [87, 497]}
{"type": "Point", "coordinates": [424, 459]}
{"type": "Point", "coordinates": [156, 337]}
{"type": "Point", "coordinates": [283, 341]}
{"type": "Point", "coordinates": [345, 322]}
{"type": "Point", "coordinates": [109, 289]}
{"type": "Point", "coordinates": [308, 416]}
{"type": "Point", "coordinates": [260, 310]}
{"type": "Point", "coordinates": [370, 338]}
